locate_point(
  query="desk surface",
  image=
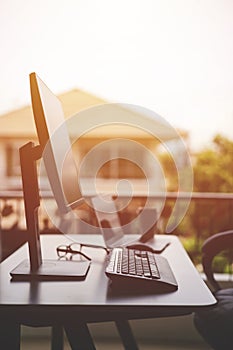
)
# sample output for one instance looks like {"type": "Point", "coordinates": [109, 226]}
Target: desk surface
{"type": "Point", "coordinates": [94, 294]}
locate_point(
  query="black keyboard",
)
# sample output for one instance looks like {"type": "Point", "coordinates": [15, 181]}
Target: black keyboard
{"type": "Point", "coordinates": [130, 267]}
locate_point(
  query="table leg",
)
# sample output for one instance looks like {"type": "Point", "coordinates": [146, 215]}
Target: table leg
{"type": "Point", "coordinates": [79, 336]}
{"type": "Point", "coordinates": [126, 335]}
{"type": "Point", "coordinates": [57, 340]}
{"type": "Point", "coordinates": [9, 335]}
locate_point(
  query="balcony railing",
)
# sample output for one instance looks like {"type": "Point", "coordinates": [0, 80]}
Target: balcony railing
{"type": "Point", "coordinates": [207, 214]}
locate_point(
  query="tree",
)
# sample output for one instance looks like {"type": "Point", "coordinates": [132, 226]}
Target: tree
{"type": "Point", "coordinates": [213, 170]}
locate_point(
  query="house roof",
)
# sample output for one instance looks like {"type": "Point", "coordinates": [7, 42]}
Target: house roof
{"type": "Point", "coordinates": [20, 123]}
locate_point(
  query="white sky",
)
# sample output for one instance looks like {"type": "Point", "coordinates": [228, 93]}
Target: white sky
{"type": "Point", "coordinates": [174, 57]}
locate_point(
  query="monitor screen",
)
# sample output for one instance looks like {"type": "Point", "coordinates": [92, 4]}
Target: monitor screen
{"type": "Point", "coordinates": [54, 139]}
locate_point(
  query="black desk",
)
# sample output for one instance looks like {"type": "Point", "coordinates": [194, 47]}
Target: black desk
{"type": "Point", "coordinates": [92, 300]}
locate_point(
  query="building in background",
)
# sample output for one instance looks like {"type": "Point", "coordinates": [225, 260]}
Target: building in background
{"type": "Point", "coordinates": [17, 128]}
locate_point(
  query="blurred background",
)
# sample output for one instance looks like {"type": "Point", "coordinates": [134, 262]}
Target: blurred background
{"type": "Point", "coordinates": [172, 57]}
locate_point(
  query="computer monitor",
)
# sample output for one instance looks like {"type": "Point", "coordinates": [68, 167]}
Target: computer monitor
{"type": "Point", "coordinates": [55, 142]}
{"type": "Point", "coordinates": [54, 146]}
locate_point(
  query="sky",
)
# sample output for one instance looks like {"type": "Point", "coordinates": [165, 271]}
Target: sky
{"type": "Point", "coordinates": [174, 57]}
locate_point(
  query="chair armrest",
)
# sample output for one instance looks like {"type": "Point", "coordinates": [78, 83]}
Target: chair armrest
{"type": "Point", "coordinates": [211, 247]}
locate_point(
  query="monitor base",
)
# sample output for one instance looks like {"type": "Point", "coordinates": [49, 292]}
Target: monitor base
{"type": "Point", "coordinates": [51, 270]}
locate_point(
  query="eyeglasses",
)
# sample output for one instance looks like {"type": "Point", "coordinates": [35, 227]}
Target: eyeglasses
{"type": "Point", "coordinates": [75, 249]}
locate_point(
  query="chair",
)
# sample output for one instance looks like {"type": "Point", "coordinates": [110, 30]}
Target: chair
{"type": "Point", "coordinates": [215, 324]}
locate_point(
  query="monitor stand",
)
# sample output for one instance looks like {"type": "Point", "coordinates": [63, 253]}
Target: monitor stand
{"type": "Point", "coordinates": [35, 268]}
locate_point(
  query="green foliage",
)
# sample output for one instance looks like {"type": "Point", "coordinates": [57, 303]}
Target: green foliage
{"type": "Point", "coordinates": [213, 170]}
{"type": "Point", "coordinates": [193, 248]}
{"type": "Point", "coordinates": [221, 264]}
